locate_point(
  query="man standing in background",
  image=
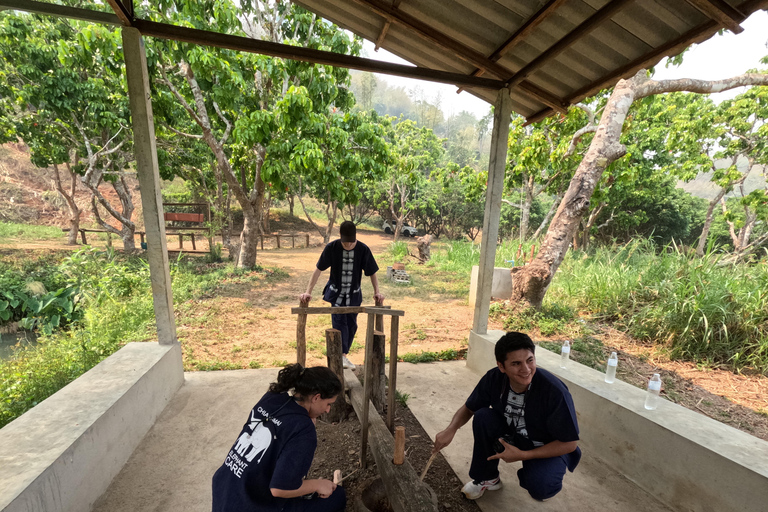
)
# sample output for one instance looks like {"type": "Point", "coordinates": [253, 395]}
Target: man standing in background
{"type": "Point", "coordinates": [348, 259]}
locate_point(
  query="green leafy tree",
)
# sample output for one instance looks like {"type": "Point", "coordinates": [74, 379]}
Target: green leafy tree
{"type": "Point", "coordinates": [417, 153]}
{"type": "Point", "coordinates": [62, 91]}
{"type": "Point", "coordinates": [268, 122]}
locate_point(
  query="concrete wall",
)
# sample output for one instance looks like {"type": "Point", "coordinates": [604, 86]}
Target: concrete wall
{"type": "Point", "coordinates": [689, 461]}
{"type": "Point", "coordinates": [62, 454]}
{"type": "Point", "coordinates": [501, 287]}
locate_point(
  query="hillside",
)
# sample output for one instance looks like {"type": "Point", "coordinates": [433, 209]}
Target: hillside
{"type": "Point", "coordinates": [28, 194]}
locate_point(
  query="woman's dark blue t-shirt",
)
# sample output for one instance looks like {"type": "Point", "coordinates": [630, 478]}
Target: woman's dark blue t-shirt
{"type": "Point", "coordinates": [267, 454]}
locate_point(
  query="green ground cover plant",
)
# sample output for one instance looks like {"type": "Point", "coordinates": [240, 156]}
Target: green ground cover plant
{"type": "Point", "coordinates": [111, 305]}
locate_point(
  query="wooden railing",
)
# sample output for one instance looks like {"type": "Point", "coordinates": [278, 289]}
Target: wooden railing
{"type": "Point", "coordinates": [373, 383]}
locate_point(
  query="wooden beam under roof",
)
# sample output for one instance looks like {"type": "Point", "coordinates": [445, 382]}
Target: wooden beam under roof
{"type": "Point", "coordinates": [428, 33]}
{"type": "Point", "coordinates": [385, 28]}
{"type": "Point", "coordinates": [62, 11]}
{"type": "Point", "coordinates": [246, 44]}
{"type": "Point", "coordinates": [695, 35]}
{"type": "Point", "coordinates": [123, 11]}
{"type": "Point", "coordinates": [721, 12]}
{"type": "Point", "coordinates": [590, 24]}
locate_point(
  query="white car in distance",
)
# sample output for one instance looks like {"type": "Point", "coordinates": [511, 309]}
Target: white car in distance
{"type": "Point", "coordinates": [406, 230]}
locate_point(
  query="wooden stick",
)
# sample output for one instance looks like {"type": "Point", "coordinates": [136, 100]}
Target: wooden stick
{"type": "Point", "coordinates": [337, 477]}
{"type": "Point", "coordinates": [301, 336]}
{"type": "Point", "coordinates": [399, 456]}
{"type": "Point", "coordinates": [429, 463]}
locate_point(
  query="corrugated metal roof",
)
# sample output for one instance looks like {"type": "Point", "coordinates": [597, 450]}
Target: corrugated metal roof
{"type": "Point", "coordinates": [572, 49]}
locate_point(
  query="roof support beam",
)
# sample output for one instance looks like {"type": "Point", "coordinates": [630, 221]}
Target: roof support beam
{"type": "Point", "coordinates": [585, 28]}
{"type": "Point", "coordinates": [246, 44]}
{"type": "Point", "coordinates": [718, 10]}
{"type": "Point", "coordinates": [124, 12]}
{"type": "Point", "coordinates": [62, 11]}
{"type": "Point", "coordinates": [698, 34]}
{"type": "Point", "coordinates": [494, 190]}
{"type": "Point", "coordinates": [145, 149]}
{"type": "Point", "coordinates": [434, 36]}
{"type": "Point", "coordinates": [385, 29]}
{"type": "Point", "coordinates": [524, 31]}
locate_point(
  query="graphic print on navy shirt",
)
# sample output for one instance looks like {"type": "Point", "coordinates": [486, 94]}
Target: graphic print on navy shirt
{"type": "Point", "coordinates": [274, 453]}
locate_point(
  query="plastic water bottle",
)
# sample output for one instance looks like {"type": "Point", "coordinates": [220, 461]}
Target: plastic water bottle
{"type": "Point", "coordinates": [654, 388]}
{"type": "Point", "coordinates": [610, 370]}
{"type": "Point", "coordinates": [565, 353]}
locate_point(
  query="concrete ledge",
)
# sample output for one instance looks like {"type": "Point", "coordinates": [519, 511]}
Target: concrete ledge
{"type": "Point", "coordinates": [687, 460]}
{"type": "Point", "coordinates": [501, 285]}
{"type": "Point", "coordinates": [62, 455]}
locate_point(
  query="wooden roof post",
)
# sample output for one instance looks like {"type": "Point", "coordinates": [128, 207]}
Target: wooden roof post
{"type": "Point", "coordinates": [149, 181]}
{"type": "Point", "coordinates": [498, 160]}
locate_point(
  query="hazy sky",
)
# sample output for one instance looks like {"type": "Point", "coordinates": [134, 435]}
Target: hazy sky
{"type": "Point", "coordinates": [719, 57]}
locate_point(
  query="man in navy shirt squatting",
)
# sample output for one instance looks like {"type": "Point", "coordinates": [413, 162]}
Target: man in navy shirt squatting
{"type": "Point", "coordinates": [521, 413]}
{"type": "Point", "coordinates": [348, 259]}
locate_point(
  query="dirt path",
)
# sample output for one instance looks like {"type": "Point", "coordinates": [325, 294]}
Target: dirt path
{"type": "Point", "coordinates": [253, 326]}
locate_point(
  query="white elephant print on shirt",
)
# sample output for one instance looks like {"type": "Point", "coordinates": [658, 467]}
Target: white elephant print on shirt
{"type": "Point", "coordinates": [258, 441]}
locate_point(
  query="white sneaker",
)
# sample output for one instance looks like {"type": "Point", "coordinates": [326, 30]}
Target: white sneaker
{"type": "Point", "coordinates": [474, 489]}
{"type": "Point", "coordinates": [346, 363]}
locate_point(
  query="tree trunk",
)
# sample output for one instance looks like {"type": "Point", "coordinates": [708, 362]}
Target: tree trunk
{"type": "Point", "coordinates": [530, 284]}
{"type": "Point", "coordinates": [708, 223]}
{"type": "Point", "coordinates": [72, 209]}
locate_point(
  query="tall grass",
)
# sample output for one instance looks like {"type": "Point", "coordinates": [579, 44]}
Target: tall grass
{"type": "Point", "coordinates": [699, 308]}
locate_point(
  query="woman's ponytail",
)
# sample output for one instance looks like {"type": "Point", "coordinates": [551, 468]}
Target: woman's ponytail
{"type": "Point", "coordinates": [287, 379]}
{"type": "Point", "coordinates": [307, 382]}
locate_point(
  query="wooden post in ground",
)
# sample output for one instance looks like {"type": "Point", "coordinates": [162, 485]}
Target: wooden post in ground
{"type": "Point", "coordinates": [307, 235]}
{"type": "Point", "coordinates": [399, 456]}
{"type": "Point", "coordinates": [333, 353]}
{"type": "Point", "coordinates": [368, 373]}
{"type": "Point", "coordinates": [277, 237]}
{"type": "Point", "coordinates": [379, 318]}
{"type": "Point", "coordinates": [378, 385]}
{"type": "Point", "coordinates": [393, 339]}
{"type": "Point", "coordinates": [301, 335]}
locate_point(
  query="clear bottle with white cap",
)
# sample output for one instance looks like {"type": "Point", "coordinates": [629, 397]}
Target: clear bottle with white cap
{"type": "Point", "coordinates": [565, 353]}
{"type": "Point", "coordinates": [610, 369]}
{"type": "Point", "coordinates": [654, 388]}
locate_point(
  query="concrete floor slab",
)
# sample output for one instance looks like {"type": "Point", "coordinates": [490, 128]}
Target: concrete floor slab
{"type": "Point", "coordinates": [593, 486]}
{"type": "Point", "coordinates": [171, 469]}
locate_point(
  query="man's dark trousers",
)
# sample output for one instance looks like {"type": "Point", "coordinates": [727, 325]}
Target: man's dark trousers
{"type": "Point", "coordinates": [347, 324]}
{"type": "Point", "coordinates": [542, 478]}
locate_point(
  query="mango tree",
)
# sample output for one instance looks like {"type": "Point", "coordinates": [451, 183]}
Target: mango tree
{"type": "Point", "coordinates": [233, 99]}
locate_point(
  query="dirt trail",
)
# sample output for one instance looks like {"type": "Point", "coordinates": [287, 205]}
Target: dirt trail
{"type": "Point", "coordinates": [253, 325]}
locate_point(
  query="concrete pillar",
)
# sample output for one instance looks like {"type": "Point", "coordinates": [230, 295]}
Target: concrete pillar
{"type": "Point", "coordinates": [149, 181]}
{"type": "Point", "coordinates": [502, 111]}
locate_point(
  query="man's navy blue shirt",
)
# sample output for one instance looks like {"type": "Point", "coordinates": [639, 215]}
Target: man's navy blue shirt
{"type": "Point", "coordinates": [267, 454]}
{"type": "Point", "coordinates": [549, 412]}
{"type": "Point", "coordinates": [332, 256]}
